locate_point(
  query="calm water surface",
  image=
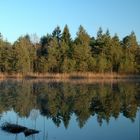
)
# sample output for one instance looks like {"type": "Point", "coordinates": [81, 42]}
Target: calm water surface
{"type": "Point", "coordinates": [71, 110]}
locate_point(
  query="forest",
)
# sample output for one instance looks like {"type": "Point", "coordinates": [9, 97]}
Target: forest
{"type": "Point", "coordinates": [58, 52]}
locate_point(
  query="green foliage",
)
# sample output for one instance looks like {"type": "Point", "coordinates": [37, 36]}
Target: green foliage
{"type": "Point", "coordinates": [54, 56]}
{"type": "Point", "coordinates": [66, 37]}
{"type": "Point", "coordinates": [137, 58]}
{"type": "Point", "coordinates": [116, 53]}
{"type": "Point", "coordinates": [57, 34]}
{"type": "Point", "coordinates": [127, 64]}
{"type": "Point", "coordinates": [59, 53]}
{"type": "Point", "coordinates": [68, 65]}
{"type": "Point", "coordinates": [82, 51]}
{"type": "Point", "coordinates": [40, 65]}
{"type": "Point", "coordinates": [21, 56]}
{"type": "Point", "coordinates": [5, 56]}
{"type": "Point", "coordinates": [129, 58]}
{"type": "Point", "coordinates": [44, 43]}
{"type": "Point", "coordinates": [101, 63]}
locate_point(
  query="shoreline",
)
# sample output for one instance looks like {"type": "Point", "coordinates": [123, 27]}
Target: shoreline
{"type": "Point", "coordinates": [72, 76]}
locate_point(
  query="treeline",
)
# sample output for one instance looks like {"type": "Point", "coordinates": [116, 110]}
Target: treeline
{"type": "Point", "coordinates": [59, 53]}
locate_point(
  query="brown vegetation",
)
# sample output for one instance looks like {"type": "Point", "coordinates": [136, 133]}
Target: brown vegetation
{"type": "Point", "coordinates": [69, 76]}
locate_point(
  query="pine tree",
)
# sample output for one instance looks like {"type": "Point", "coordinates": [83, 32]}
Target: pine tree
{"type": "Point", "coordinates": [57, 34]}
{"type": "Point", "coordinates": [137, 58]}
{"type": "Point", "coordinates": [66, 37]}
{"type": "Point", "coordinates": [5, 56]}
{"type": "Point", "coordinates": [82, 50]}
{"type": "Point", "coordinates": [101, 63]}
{"type": "Point", "coordinates": [66, 50]}
{"type": "Point", "coordinates": [116, 53]}
{"type": "Point", "coordinates": [21, 56]}
{"type": "Point", "coordinates": [45, 43]}
{"type": "Point", "coordinates": [54, 56]}
{"type": "Point", "coordinates": [57, 52]}
{"type": "Point", "coordinates": [41, 65]}
{"type": "Point", "coordinates": [130, 45]}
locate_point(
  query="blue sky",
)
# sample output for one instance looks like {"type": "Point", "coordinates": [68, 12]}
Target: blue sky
{"type": "Point", "coordinates": [18, 17]}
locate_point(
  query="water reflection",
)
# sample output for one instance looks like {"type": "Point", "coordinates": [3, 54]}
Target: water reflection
{"type": "Point", "coordinates": [59, 101]}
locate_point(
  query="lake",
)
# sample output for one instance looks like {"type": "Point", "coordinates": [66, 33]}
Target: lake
{"type": "Point", "coordinates": [71, 110]}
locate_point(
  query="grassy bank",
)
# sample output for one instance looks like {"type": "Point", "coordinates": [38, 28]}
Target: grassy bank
{"type": "Point", "coordinates": [73, 76]}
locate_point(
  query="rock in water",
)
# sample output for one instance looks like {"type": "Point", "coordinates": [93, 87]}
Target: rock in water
{"type": "Point", "coordinates": [15, 128]}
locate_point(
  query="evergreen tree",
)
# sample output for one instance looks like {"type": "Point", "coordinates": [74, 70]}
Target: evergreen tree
{"type": "Point", "coordinates": [21, 56]}
{"type": "Point", "coordinates": [54, 56]}
{"type": "Point", "coordinates": [66, 51]}
{"type": "Point", "coordinates": [45, 43]}
{"type": "Point", "coordinates": [41, 65]}
{"type": "Point", "coordinates": [59, 53]}
{"type": "Point", "coordinates": [137, 57]}
{"type": "Point", "coordinates": [57, 34]}
{"type": "Point", "coordinates": [130, 45]}
{"type": "Point", "coordinates": [116, 53]}
{"type": "Point", "coordinates": [66, 37]}
{"type": "Point", "coordinates": [101, 63]}
{"type": "Point", "coordinates": [31, 51]}
{"type": "Point", "coordinates": [81, 50]}
{"type": "Point", "coordinates": [5, 56]}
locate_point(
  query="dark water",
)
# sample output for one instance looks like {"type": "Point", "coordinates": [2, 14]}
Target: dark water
{"type": "Point", "coordinates": [71, 111]}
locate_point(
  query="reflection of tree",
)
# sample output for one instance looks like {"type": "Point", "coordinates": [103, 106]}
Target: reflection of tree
{"type": "Point", "coordinates": [16, 95]}
{"type": "Point", "coordinates": [59, 101]}
{"type": "Point", "coordinates": [129, 101]}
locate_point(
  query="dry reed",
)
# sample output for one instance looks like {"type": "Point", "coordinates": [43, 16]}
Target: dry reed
{"type": "Point", "coordinates": [72, 76]}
